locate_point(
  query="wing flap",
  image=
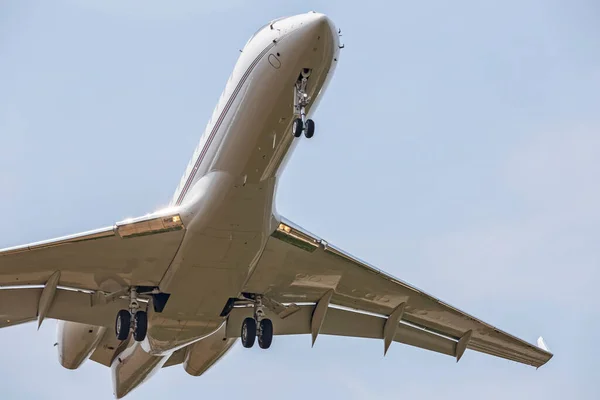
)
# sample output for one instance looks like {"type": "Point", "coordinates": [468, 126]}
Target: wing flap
{"type": "Point", "coordinates": [340, 322]}
{"type": "Point", "coordinates": [67, 305]}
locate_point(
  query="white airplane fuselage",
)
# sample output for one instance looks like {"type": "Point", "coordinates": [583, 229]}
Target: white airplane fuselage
{"type": "Point", "coordinates": [226, 195]}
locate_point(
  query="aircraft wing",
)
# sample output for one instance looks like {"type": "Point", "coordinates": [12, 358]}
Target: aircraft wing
{"type": "Point", "coordinates": [131, 252]}
{"type": "Point", "coordinates": [299, 267]}
{"type": "Point", "coordinates": [21, 305]}
{"type": "Point", "coordinates": [71, 278]}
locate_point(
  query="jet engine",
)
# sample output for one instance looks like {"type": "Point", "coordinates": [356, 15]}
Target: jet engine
{"type": "Point", "coordinates": [76, 342]}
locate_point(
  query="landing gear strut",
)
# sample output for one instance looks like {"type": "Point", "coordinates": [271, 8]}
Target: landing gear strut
{"type": "Point", "coordinates": [301, 100]}
{"type": "Point", "coordinates": [132, 320]}
{"type": "Point", "coordinates": [257, 326]}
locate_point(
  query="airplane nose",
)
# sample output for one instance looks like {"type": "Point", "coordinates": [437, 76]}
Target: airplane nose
{"type": "Point", "coordinates": [316, 26]}
{"type": "Point", "coordinates": [312, 36]}
{"type": "Point", "coordinates": [320, 23]}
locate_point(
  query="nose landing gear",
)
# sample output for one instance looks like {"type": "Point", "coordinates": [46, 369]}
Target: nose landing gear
{"type": "Point", "coordinates": [301, 100]}
{"type": "Point", "coordinates": [257, 326]}
{"type": "Point", "coordinates": [132, 320]}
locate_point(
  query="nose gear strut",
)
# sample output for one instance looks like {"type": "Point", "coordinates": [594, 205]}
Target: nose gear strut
{"type": "Point", "coordinates": [301, 100]}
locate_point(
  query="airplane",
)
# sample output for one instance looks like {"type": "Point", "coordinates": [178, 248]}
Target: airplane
{"type": "Point", "coordinates": [181, 285]}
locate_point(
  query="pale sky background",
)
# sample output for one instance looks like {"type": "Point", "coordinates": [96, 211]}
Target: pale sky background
{"type": "Point", "coordinates": [457, 148]}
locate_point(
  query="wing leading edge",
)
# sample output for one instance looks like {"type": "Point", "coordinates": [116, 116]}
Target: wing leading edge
{"type": "Point", "coordinates": [299, 267]}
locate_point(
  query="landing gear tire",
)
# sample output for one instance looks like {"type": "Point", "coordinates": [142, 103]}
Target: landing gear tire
{"type": "Point", "coordinates": [248, 335]}
{"type": "Point", "coordinates": [297, 127]}
{"type": "Point", "coordinates": [123, 324]}
{"type": "Point", "coordinates": [309, 129]}
{"type": "Point", "coordinates": [141, 326]}
{"type": "Point", "coordinates": [265, 334]}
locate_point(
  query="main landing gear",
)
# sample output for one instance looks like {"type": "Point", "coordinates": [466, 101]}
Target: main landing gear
{"type": "Point", "coordinates": [301, 100]}
{"type": "Point", "coordinates": [257, 327]}
{"type": "Point", "coordinates": [132, 320]}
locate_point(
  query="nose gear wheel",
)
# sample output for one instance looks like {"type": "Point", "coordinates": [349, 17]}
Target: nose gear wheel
{"type": "Point", "coordinates": [297, 127]}
{"type": "Point", "coordinates": [309, 129]}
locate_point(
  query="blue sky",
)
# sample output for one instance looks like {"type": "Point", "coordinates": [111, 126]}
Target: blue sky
{"type": "Point", "coordinates": [457, 148]}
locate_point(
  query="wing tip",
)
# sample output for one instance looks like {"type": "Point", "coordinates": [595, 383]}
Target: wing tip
{"type": "Point", "coordinates": [542, 344]}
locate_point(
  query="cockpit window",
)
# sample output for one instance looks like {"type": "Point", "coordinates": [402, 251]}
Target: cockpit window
{"type": "Point", "coordinates": [275, 20]}
{"type": "Point", "coordinates": [258, 30]}
{"type": "Point", "coordinates": [264, 26]}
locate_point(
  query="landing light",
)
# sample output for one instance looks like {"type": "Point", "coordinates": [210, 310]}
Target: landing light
{"type": "Point", "coordinates": [285, 228]}
{"type": "Point", "coordinates": [176, 218]}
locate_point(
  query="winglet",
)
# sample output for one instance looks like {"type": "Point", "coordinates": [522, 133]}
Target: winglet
{"type": "Point", "coordinates": [542, 344]}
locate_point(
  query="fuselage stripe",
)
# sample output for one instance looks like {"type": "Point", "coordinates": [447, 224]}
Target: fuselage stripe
{"type": "Point", "coordinates": [213, 133]}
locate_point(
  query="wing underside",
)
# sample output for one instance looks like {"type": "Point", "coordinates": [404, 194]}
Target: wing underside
{"type": "Point", "coordinates": [336, 293]}
{"type": "Point", "coordinates": [73, 278]}
{"type": "Point", "coordinates": [299, 267]}
{"type": "Point", "coordinates": [132, 252]}
{"type": "Point", "coordinates": [340, 322]}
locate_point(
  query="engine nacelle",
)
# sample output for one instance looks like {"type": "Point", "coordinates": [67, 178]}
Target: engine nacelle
{"type": "Point", "coordinates": [203, 354]}
{"type": "Point", "coordinates": [76, 342]}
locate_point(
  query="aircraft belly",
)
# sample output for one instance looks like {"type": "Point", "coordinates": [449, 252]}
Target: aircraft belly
{"type": "Point", "coordinates": [216, 267]}
{"type": "Point", "coordinates": [231, 198]}
{"type": "Point", "coordinates": [212, 265]}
